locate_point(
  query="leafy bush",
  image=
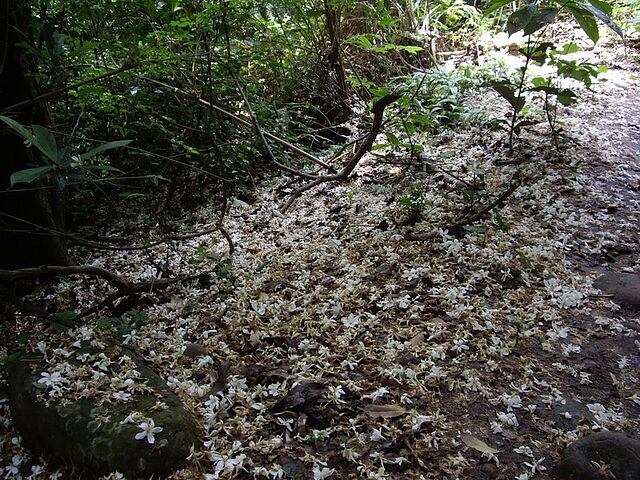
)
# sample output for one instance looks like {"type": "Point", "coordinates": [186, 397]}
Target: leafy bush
{"type": "Point", "coordinates": [534, 18]}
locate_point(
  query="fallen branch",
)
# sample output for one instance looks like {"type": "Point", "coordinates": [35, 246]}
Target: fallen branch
{"type": "Point", "coordinates": [58, 271]}
{"type": "Point", "coordinates": [123, 287]}
{"type": "Point", "coordinates": [378, 111]}
{"type": "Point", "coordinates": [456, 228]}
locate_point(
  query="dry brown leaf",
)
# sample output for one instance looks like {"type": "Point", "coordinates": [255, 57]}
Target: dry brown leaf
{"type": "Point", "coordinates": [477, 444]}
{"type": "Point", "coordinates": [417, 339]}
{"type": "Point", "coordinates": [384, 411]}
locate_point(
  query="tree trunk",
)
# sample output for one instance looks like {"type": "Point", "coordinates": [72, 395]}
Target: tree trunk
{"type": "Point", "coordinates": [335, 84]}
{"type": "Point", "coordinates": [31, 215]}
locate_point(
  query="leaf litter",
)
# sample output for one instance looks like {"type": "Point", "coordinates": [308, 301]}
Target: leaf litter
{"type": "Point", "coordinates": [337, 348]}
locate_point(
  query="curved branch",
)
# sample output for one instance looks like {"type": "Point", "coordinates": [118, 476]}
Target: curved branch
{"type": "Point", "coordinates": [124, 287]}
{"type": "Point", "coordinates": [378, 112]}
{"type": "Point", "coordinates": [456, 227]}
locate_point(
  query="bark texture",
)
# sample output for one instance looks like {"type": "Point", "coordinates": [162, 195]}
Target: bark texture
{"type": "Point", "coordinates": [31, 215]}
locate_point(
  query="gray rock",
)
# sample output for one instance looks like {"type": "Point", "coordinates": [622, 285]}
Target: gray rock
{"type": "Point", "coordinates": [600, 456]}
{"type": "Point", "coordinates": [90, 438]}
{"type": "Point", "coordinates": [625, 288]}
{"type": "Point", "coordinates": [570, 413]}
{"type": "Point", "coordinates": [194, 350]}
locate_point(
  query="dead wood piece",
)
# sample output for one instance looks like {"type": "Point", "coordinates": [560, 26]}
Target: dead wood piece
{"type": "Point", "coordinates": [124, 288]}
{"type": "Point", "coordinates": [62, 270]}
{"type": "Point", "coordinates": [378, 111]}
{"type": "Point", "coordinates": [457, 227]}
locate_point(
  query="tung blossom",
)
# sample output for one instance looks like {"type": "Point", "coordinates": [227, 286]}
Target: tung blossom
{"type": "Point", "coordinates": [149, 430]}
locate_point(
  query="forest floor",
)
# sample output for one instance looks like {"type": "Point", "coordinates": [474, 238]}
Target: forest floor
{"type": "Point", "coordinates": [478, 356]}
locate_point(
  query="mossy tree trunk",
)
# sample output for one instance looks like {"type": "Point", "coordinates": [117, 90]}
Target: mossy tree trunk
{"type": "Point", "coordinates": [30, 214]}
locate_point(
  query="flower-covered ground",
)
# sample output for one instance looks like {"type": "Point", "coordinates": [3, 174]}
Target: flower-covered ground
{"type": "Point", "coordinates": [346, 350]}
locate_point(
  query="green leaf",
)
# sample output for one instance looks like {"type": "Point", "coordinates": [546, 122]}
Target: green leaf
{"type": "Point", "coordinates": [409, 48]}
{"type": "Point", "coordinates": [29, 175]}
{"type": "Point", "coordinates": [586, 21]}
{"type": "Point", "coordinates": [519, 19]}
{"type": "Point", "coordinates": [540, 20]}
{"type": "Point", "coordinates": [24, 133]}
{"type": "Point", "coordinates": [394, 140]}
{"type": "Point", "coordinates": [493, 6]}
{"type": "Point", "coordinates": [23, 338]}
{"type": "Point", "coordinates": [507, 92]}
{"type": "Point", "coordinates": [421, 118]}
{"type": "Point", "coordinates": [104, 147]}
{"type": "Point", "coordinates": [538, 53]}
{"type": "Point", "coordinates": [6, 365]}
{"type": "Point", "coordinates": [567, 97]}
{"type": "Point", "coordinates": [46, 142]}
{"type": "Point", "coordinates": [602, 16]}
{"type": "Point", "coordinates": [601, 5]}
{"type": "Point", "coordinates": [567, 48]}
{"type": "Point", "coordinates": [517, 128]}
{"type": "Point", "coordinates": [66, 315]}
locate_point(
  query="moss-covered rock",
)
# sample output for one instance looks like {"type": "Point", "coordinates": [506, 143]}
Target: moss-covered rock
{"type": "Point", "coordinates": [600, 456]}
{"type": "Point", "coordinates": [94, 433]}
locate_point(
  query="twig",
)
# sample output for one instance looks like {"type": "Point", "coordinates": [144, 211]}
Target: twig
{"type": "Point", "coordinates": [243, 122]}
{"type": "Point", "coordinates": [60, 91]}
{"type": "Point", "coordinates": [456, 228]}
{"type": "Point", "coordinates": [378, 111]}
{"type": "Point", "coordinates": [63, 270]}
{"type": "Point", "coordinates": [124, 288]}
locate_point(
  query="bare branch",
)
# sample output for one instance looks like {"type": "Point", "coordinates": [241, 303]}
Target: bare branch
{"type": "Point", "coordinates": [378, 111]}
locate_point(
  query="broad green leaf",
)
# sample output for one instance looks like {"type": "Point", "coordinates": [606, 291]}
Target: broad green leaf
{"type": "Point", "coordinates": [66, 315]}
{"type": "Point", "coordinates": [602, 16]}
{"type": "Point", "coordinates": [507, 92]}
{"type": "Point", "coordinates": [24, 133]}
{"type": "Point", "coordinates": [46, 142]}
{"type": "Point", "coordinates": [547, 89]}
{"type": "Point", "coordinates": [567, 97]}
{"type": "Point", "coordinates": [519, 19]}
{"type": "Point", "coordinates": [380, 146]}
{"type": "Point", "coordinates": [23, 338]}
{"type": "Point", "coordinates": [538, 53]}
{"type": "Point", "coordinates": [586, 21]}
{"type": "Point", "coordinates": [361, 41]}
{"type": "Point", "coordinates": [63, 156]}
{"type": "Point", "coordinates": [409, 48]}
{"type": "Point", "coordinates": [601, 5]}
{"type": "Point", "coordinates": [29, 175]}
{"type": "Point", "coordinates": [540, 20]}
{"type": "Point", "coordinates": [493, 6]}
{"type": "Point", "coordinates": [517, 128]}
{"type": "Point", "coordinates": [421, 118]}
{"type": "Point", "coordinates": [104, 147]}
{"type": "Point", "coordinates": [477, 444]}
{"type": "Point", "coordinates": [392, 138]}
{"type": "Point", "coordinates": [540, 82]}
{"type": "Point", "coordinates": [8, 361]}
{"type": "Point", "coordinates": [382, 48]}
{"type": "Point", "coordinates": [567, 48]}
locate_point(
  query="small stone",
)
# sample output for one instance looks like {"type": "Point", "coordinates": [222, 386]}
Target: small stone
{"type": "Point", "coordinates": [570, 413]}
{"type": "Point", "coordinates": [600, 456]}
{"type": "Point", "coordinates": [194, 350]}
{"type": "Point", "coordinates": [625, 288]}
